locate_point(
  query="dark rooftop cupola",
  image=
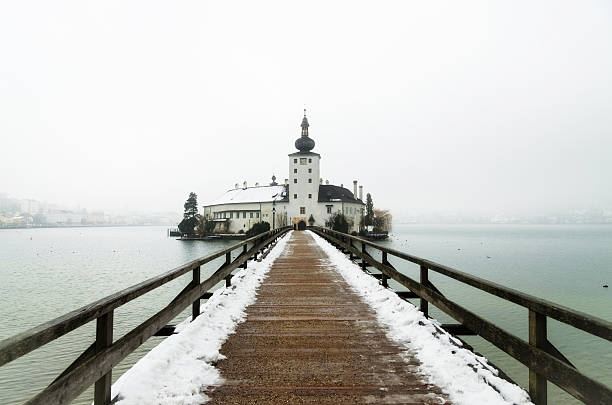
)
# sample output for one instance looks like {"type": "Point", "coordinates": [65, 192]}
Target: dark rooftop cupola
{"type": "Point", "coordinates": [304, 143]}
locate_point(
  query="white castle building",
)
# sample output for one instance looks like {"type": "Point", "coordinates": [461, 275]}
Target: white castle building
{"type": "Point", "coordinates": [302, 200]}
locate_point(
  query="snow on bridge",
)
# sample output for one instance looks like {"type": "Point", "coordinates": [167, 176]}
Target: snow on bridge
{"type": "Point", "coordinates": [307, 325]}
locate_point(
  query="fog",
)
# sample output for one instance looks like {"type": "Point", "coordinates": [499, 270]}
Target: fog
{"type": "Point", "coordinates": [471, 107]}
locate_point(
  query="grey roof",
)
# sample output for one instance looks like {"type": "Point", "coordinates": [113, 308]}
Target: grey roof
{"type": "Point", "coordinates": [277, 193]}
{"type": "Point", "coordinates": [331, 193]}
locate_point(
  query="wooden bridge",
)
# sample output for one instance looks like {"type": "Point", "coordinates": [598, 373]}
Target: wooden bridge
{"type": "Point", "coordinates": [308, 337]}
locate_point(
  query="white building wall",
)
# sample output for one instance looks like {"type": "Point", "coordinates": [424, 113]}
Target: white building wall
{"type": "Point", "coordinates": [304, 175]}
{"type": "Point", "coordinates": [244, 216]}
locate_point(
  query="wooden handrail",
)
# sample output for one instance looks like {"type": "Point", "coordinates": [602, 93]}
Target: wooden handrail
{"type": "Point", "coordinates": [580, 320]}
{"type": "Point", "coordinates": [544, 361]}
{"type": "Point", "coordinates": [96, 365]}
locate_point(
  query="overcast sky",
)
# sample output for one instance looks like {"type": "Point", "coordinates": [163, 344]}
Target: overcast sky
{"type": "Point", "coordinates": [472, 107]}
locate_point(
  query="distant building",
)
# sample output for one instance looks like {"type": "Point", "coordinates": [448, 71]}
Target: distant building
{"type": "Point", "coordinates": [29, 206]}
{"type": "Point", "coordinates": [303, 197]}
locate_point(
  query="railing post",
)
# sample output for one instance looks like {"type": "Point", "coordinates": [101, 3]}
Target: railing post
{"type": "Point", "coordinates": [363, 250]}
{"type": "Point", "coordinates": [104, 338]}
{"type": "Point", "coordinates": [537, 338]}
{"type": "Point", "coordinates": [384, 279]}
{"type": "Point", "coordinates": [244, 250]}
{"type": "Point", "coordinates": [424, 279]}
{"type": "Point", "coordinates": [195, 307]}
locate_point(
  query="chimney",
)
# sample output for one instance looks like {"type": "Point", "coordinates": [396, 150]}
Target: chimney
{"type": "Point", "coordinates": [244, 184]}
{"type": "Point", "coordinates": [256, 184]}
{"type": "Point", "coordinates": [286, 182]}
{"type": "Point", "coordinates": [355, 189]}
{"type": "Point", "coordinates": [236, 185]}
{"type": "Point", "coordinates": [321, 180]}
{"type": "Point", "coordinates": [341, 185]}
{"type": "Point", "coordinates": [361, 193]}
{"type": "Point", "coordinates": [326, 181]}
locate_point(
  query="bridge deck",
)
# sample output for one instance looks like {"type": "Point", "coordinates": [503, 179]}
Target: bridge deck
{"type": "Point", "coordinates": [309, 338]}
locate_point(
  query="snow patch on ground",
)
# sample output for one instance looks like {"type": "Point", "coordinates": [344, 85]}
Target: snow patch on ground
{"type": "Point", "coordinates": [176, 370]}
{"type": "Point", "coordinates": [465, 377]}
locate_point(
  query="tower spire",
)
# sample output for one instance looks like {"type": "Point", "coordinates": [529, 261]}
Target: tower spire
{"type": "Point", "coordinates": [305, 125]}
{"type": "Point", "coordinates": [304, 143]}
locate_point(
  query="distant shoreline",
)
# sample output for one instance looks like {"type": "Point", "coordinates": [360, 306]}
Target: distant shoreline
{"type": "Point", "coordinates": [81, 226]}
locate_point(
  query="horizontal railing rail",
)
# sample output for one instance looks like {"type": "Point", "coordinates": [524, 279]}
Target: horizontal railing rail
{"type": "Point", "coordinates": [95, 364]}
{"type": "Point", "coordinates": [544, 361]}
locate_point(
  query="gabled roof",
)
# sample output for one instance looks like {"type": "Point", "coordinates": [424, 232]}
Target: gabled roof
{"type": "Point", "coordinates": [276, 193]}
{"type": "Point", "coordinates": [331, 193]}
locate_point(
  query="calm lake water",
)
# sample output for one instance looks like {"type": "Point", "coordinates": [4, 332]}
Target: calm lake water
{"type": "Point", "coordinates": [47, 272]}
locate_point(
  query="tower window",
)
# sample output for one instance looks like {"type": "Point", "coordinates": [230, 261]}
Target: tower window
{"type": "Point", "coordinates": [294, 170]}
{"type": "Point", "coordinates": [295, 196]}
{"type": "Point", "coordinates": [294, 160]}
{"type": "Point", "coordinates": [295, 181]}
{"type": "Point", "coordinates": [310, 180]}
{"type": "Point", "coordinates": [309, 195]}
{"type": "Point", "coordinates": [309, 170]}
{"type": "Point", "coordinates": [302, 210]}
{"type": "Point", "coordinates": [309, 160]}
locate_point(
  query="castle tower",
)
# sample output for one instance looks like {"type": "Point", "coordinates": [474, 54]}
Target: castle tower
{"type": "Point", "coordinates": [304, 178]}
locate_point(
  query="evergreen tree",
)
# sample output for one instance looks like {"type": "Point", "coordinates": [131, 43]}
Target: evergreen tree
{"type": "Point", "coordinates": [191, 206]}
{"type": "Point", "coordinates": [369, 216]}
{"type": "Point", "coordinates": [190, 217]}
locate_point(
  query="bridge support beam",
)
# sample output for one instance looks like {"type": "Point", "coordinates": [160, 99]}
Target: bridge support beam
{"type": "Point", "coordinates": [537, 338]}
{"type": "Point", "coordinates": [104, 338]}
{"type": "Point", "coordinates": [195, 307]}
{"type": "Point", "coordinates": [424, 306]}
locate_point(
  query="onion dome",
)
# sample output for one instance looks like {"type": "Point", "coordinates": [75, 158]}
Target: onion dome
{"type": "Point", "coordinates": [305, 143]}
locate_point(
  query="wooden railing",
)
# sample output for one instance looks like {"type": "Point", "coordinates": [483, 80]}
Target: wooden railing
{"type": "Point", "coordinates": [544, 361]}
{"type": "Point", "coordinates": [96, 363]}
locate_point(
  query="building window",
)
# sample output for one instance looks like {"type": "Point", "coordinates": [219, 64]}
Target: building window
{"type": "Point", "coordinates": [294, 160]}
{"type": "Point", "coordinates": [302, 161]}
{"type": "Point", "coordinates": [309, 170]}
{"type": "Point", "coordinates": [309, 160]}
{"type": "Point", "coordinates": [243, 214]}
{"type": "Point", "coordinates": [329, 207]}
{"type": "Point", "coordinates": [257, 215]}
{"type": "Point", "coordinates": [303, 210]}
{"type": "Point", "coordinates": [231, 215]}
{"type": "Point", "coordinates": [309, 195]}
{"type": "Point", "coordinates": [250, 215]}
{"type": "Point", "coordinates": [295, 196]}
{"type": "Point", "coordinates": [310, 180]}
{"type": "Point", "coordinates": [295, 181]}
{"type": "Point", "coordinates": [294, 170]}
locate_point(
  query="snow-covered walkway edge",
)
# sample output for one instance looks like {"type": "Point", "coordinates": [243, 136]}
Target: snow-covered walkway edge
{"type": "Point", "coordinates": [465, 377]}
{"type": "Point", "coordinates": [176, 370]}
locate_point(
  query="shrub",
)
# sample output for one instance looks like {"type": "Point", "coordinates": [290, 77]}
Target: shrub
{"type": "Point", "coordinates": [338, 222]}
{"type": "Point", "coordinates": [188, 225]}
{"type": "Point", "coordinates": [259, 227]}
